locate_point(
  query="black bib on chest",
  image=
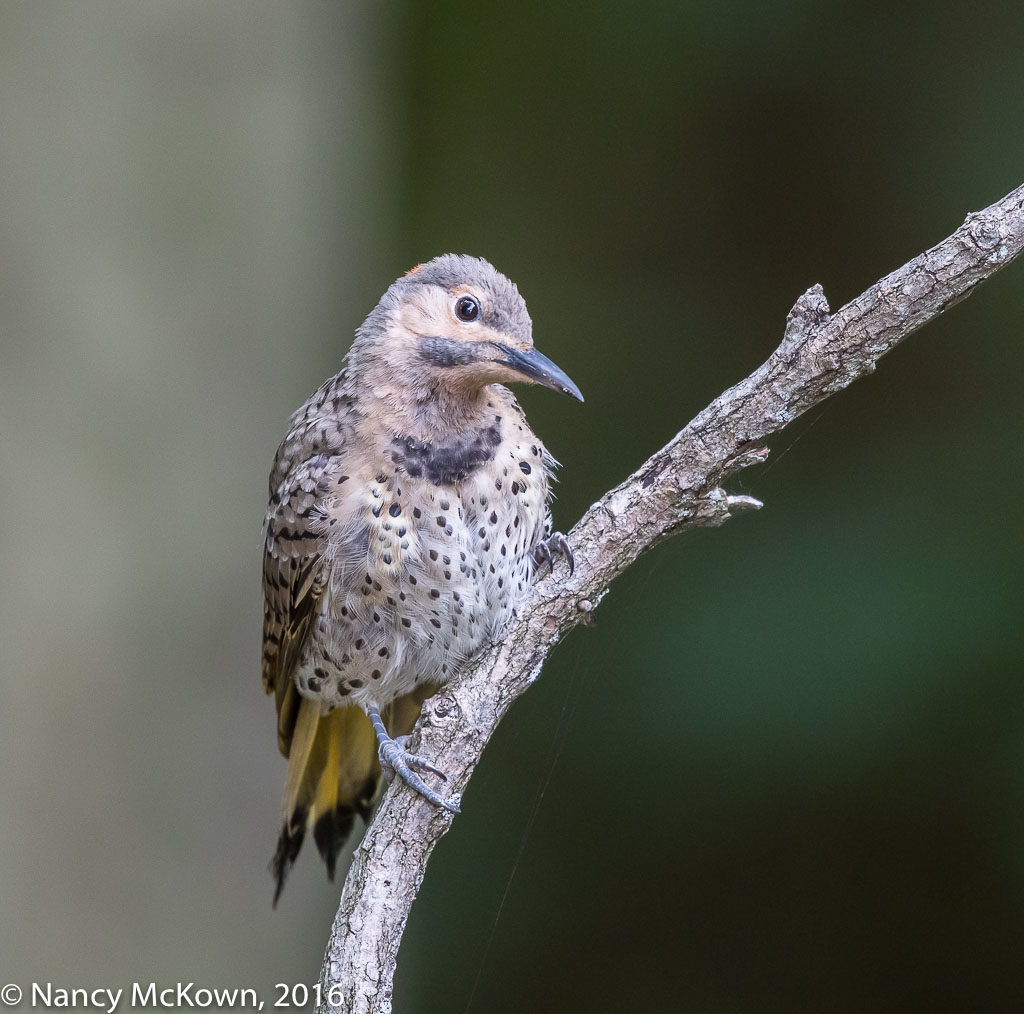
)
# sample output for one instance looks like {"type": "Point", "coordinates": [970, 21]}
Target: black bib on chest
{"type": "Point", "coordinates": [446, 464]}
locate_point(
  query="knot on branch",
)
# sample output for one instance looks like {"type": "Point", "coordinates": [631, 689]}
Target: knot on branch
{"type": "Point", "coordinates": [445, 706]}
{"type": "Point", "coordinates": [988, 235]}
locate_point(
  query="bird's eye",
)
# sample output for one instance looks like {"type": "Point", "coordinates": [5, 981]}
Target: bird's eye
{"type": "Point", "coordinates": [467, 309]}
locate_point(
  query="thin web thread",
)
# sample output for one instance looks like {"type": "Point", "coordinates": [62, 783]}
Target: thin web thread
{"type": "Point", "coordinates": [561, 734]}
{"type": "Point", "coordinates": [775, 459]}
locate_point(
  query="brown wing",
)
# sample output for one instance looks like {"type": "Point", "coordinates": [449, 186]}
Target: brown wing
{"type": "Point", "coordinates": [294, 568]}
{"type": "Point", "coordinates": [291, 589]}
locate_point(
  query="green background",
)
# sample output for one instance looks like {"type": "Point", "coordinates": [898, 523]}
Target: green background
{"type": "Point", "coordinates": [785, 771]}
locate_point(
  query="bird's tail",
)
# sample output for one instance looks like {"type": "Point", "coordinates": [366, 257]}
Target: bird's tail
{"type": "Point", "coordinates": [333, 773]}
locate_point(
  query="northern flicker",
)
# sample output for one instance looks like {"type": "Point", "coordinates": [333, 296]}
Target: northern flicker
{"type": "Point", "coordinates": [408, 513]}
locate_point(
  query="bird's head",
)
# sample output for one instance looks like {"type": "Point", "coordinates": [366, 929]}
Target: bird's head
{"type": "Point", "coordinates": [448, 328]}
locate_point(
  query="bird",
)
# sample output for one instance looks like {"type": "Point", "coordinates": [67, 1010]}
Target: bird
{"type": "Point", "coordinates": [409, 511]}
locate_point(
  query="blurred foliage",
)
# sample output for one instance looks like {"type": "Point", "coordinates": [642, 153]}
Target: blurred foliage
{"type": "Point", "coordinates": [784, 772]}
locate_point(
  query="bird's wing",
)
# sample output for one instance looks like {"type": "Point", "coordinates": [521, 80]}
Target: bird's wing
{"type": "Point", "coordinates": [291, 590]}
{"type": "Point", "coordinates": [295, 566]}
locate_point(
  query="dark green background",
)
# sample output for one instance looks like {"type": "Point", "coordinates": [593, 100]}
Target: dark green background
{"type": "Point", "coordinates": [786, 769]}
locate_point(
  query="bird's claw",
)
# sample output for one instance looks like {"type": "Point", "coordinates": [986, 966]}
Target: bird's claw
{"type": "Point", "coordinates": [561, 545]}
{"type": "Point", "coordinates": [556, 542]}
{"type": "Point", "coordinates": [395, 759]}
{"type": "Point", "coordinates": [410, 758]}
{"type": "Point", "coordinates": [542, 554]}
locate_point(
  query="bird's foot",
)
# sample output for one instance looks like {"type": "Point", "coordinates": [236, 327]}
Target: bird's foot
{"type": "Point", "coordinates": [395, 759]}
{"type": "Point", "coordinates": [556, 542]}
{"type": "Point", "coordinates": [399, 744]}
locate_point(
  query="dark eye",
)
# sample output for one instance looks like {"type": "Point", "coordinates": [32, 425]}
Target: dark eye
{"type": "Point", "coordinates": [467, 309]}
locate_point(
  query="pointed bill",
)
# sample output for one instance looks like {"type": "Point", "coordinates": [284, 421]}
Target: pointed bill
{"type": "Point", "coordinates": [533, 364]}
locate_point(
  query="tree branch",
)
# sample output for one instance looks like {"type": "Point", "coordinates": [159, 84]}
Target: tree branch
{"type": "Point", "coordinates": [678, 487]}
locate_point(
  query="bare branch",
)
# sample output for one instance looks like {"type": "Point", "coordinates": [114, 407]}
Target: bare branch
{"type": "Point", "coordinates": [678, 487]}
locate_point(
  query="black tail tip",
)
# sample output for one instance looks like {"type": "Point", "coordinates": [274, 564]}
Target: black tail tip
{"type": "Point", "coordinates": [330, 832]}
{"type": "Point", "coordinates": [288, 846]}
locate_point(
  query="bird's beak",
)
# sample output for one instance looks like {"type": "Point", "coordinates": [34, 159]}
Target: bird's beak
{"type": "Point", "coordinates": [531, 363]}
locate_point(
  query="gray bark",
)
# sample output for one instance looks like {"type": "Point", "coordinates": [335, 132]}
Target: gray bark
{"type": "Point", "coordinates": [678, 487]}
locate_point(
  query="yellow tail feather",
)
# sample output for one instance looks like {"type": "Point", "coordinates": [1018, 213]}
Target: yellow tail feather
{"type": "Point", "coordinates": [333, 774]}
